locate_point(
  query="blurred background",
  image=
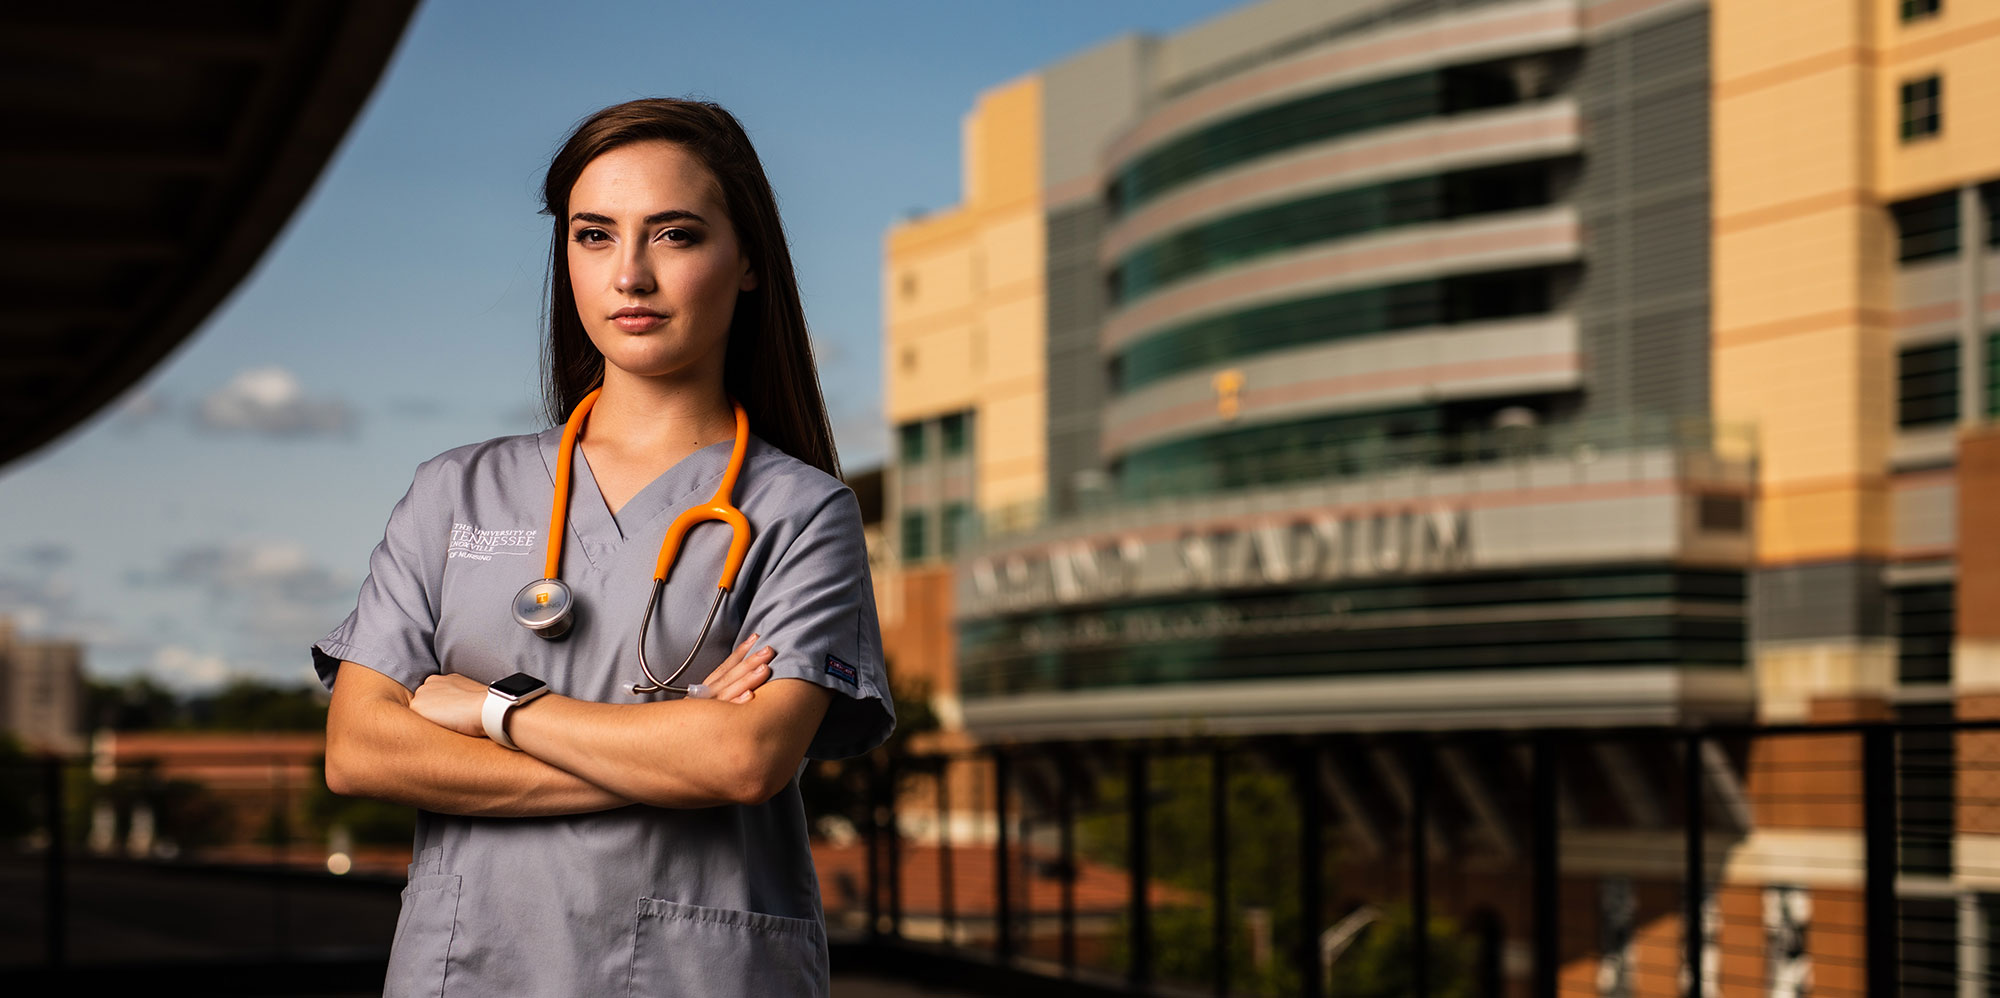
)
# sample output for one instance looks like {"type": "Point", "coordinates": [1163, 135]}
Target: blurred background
{"type": "Point", "coordinates": [1365, 497]}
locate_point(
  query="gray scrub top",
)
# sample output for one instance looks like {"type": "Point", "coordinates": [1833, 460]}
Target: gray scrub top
{"type": "Point", "coordinates": [716, 901]}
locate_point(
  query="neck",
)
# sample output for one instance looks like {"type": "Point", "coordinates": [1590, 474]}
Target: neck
{"type": "Point", "coordinates": [659, 414]}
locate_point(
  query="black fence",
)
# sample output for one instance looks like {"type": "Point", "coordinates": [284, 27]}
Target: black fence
{"type": "Point", "coordinates": [1824, 859]}
{"type": "Point", "coordinates": [1827, 859]}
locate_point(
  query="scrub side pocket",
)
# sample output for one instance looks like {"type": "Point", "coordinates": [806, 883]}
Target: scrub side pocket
{"type": "Point", "coordinates": [686, 949]}
{"type": "Point", "coordinates": [421, 954]}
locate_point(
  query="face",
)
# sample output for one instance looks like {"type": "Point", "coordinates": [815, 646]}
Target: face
{"type": "Point", "coordinates": [654, 262]}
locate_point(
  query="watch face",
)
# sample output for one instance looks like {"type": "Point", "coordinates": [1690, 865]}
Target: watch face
{"type": "Point", "coordinates": [518, 685]}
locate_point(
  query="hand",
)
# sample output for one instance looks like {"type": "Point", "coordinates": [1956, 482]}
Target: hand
{"type": "Point", "coordinates": [737, 678]}
{"type": "Point", "coordinates": [452, 701]}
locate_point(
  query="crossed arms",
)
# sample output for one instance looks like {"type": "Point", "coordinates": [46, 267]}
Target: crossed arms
{"type": "Point", "coordinates": [429, 750]}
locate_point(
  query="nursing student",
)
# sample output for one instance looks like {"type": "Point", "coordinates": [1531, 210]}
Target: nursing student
{"type": "Point", "coordinates": [591, 822]}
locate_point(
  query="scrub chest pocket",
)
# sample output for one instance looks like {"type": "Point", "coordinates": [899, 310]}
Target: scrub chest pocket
{"type": "Point", "coordinates": [686, 949]}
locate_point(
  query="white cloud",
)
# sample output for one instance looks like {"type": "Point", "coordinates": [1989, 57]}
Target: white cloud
{"type": "Point", "coordinates": [270, 400]}
{"type": "Point", "coordinates": [41, 605]}
{"type": "Point", "coordinates": [271, 572]}
{"type": "Point", "coordinates": [185, 668]}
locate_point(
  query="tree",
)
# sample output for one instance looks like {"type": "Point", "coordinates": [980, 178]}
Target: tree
{"type": "Point", "coordinates": [1378, 964]}
{"type": "Point", "coordinates": [1263, 912]}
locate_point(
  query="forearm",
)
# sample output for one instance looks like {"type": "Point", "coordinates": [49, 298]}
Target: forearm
{"type": "Point", "coordinates": [692, 755]}
{"type": "Point", "coordinates": [679, 753]}
{"type": "Point", "coordinates": [387, 751]}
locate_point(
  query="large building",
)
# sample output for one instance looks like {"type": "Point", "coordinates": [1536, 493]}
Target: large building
{"type": "Point", "coordinates": [1371, 366]}
{"type": "Point", "coordinates": [1316, 350]}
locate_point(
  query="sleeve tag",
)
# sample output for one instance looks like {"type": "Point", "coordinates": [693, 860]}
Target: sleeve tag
{"type": "Point", "coordinates": [842, 671]}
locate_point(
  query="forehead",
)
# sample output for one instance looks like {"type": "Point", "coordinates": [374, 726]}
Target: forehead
{"type": "Point", "coordinates": [645, 177]}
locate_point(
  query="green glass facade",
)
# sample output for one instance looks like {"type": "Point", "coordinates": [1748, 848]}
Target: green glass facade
{"type": "Point", "coordinates": [1323, 318]}
{"type": "Point", "coordinates": [1550, 621]}
{"type": "Point", "coordinates": [1316, 118]}
{"type": "Point", "coordinates": [1325, 447]}
{"type": "Point", "coordinates": [1324, 217]}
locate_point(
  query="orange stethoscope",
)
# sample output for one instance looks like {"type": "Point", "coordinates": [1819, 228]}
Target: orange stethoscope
{"type": "Point", "coordinates": [547, 607]}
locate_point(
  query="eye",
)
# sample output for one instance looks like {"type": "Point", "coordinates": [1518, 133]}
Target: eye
{"type": "Point", "coordinates": [680, 237]}
{"type": "Point", "coordinates": [591, 237]}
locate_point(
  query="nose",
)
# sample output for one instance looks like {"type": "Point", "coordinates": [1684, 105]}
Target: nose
{"type": "Point", "coordinates": [635, 273]}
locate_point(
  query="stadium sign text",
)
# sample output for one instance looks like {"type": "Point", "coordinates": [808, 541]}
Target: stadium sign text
{"type": "Point", "coordinates": [1276, 552]}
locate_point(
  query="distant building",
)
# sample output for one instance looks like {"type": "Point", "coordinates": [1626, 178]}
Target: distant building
{"type": "Point", "coordinates": [255, 783]}
{"type": "Point", "coordinates": [41, 692]}
{"type": "Point", "coordinates": [1357, 366]}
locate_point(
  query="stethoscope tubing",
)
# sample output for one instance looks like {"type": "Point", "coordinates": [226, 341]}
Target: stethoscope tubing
{"type": "Point", "coordinates": [720, 507]}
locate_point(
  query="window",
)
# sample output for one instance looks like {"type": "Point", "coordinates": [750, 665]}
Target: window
{"type": "Point", "coordinates": [1923, 618]}
{"type": "Point", "coordinates": [1993, 375]}
{"type": "Point", "coordinates": [1923, 108]}
{"type": "Point", "coordinates": [1916, 10]}
{"type": "Point", "coordinates": [1721, 514]}
{"type": "Point", "coordinates": [952, 528]}
{"type": "Point", "coordinates": [1925, 790]}
{"type": "Point", "coordinates": [913, 536]}
{"type": "Point", "coordinates": [912, 437]}
{"type": "Point", "coordinates": [1927, 386]}
{"type": "Point", "coordinates": [1989, 203]}
{"type": "Point", "coordinates": [1927, 947]}
{"type": "Point", "coordinates": [952, 429]}
{"type": "Point", "coordinates": [1926, 227]}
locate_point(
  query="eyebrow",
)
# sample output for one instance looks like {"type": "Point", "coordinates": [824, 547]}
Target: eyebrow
{"type": "Point", "coordinates": [670, 215]}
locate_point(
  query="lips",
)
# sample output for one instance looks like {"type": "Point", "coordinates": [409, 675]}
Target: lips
{"type": "Point", "coordinates": [636, 319]}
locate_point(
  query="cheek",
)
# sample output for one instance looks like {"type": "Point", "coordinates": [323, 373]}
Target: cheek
{"type": "Point", "coordinates": [581, 273]}
{"type": "Point", "coordinates": [712, 282]}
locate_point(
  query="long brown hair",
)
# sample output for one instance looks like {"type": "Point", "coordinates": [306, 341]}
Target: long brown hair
{"type": "Point", "coordinates": [768, 365]}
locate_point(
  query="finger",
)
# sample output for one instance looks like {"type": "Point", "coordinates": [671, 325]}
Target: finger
{"type": "Point", "coordinates": [728, 677]}
{"type": "Point", "coordinates": [743, 697]}
{"type": "Point", "coordinates": [736, 656]}
{"type": "Point", "coordinates": [748, 674]}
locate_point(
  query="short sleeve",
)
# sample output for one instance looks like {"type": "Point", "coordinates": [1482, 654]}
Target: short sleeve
{"type": "Point", "coordinates": [394, 623]}
{"type": "Point", "coordinates": [817, 608]}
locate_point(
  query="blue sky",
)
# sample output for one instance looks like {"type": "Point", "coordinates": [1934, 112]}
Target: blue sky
{"type": "Point", "coordinates": [219, 519]}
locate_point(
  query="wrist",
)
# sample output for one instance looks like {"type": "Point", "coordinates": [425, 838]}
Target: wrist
{"type": "Point", "coordinates": [505, 697]}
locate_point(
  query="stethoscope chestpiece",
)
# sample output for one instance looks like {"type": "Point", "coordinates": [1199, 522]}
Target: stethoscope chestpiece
{"type": "Point", "coordinates": [544, 606]}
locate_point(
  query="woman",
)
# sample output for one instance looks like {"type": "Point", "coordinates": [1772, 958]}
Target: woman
{"type": "Point", "coordinates": [628, 843]}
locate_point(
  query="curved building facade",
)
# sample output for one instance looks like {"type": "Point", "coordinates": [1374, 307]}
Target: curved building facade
{"type": "Point", "coordinates": [1363, 399]}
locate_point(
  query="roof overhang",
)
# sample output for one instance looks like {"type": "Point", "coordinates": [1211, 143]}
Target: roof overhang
{"type": "Point", "coordinates": [154, 151]}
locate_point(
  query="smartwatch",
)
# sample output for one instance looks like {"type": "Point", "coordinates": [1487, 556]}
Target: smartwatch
{"type": "Point", "coordinates": [504, 696]}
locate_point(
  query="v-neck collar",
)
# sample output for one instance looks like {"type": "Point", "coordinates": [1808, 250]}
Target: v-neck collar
{"type": "Point", "coordinates": [592, 527]}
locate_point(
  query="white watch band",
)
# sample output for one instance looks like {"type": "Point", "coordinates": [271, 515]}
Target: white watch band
{"type": "Point", "coordinates": [493, 715]}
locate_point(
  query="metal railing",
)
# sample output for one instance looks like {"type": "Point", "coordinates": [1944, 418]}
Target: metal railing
{"type": "Point", "coordinates": [1539, 862]}
{"type": "Point", "coordinates": [1837, 859]}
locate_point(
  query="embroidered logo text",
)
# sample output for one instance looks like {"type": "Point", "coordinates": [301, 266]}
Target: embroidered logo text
{"type": "Point", "coordinates": [468, 541]}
